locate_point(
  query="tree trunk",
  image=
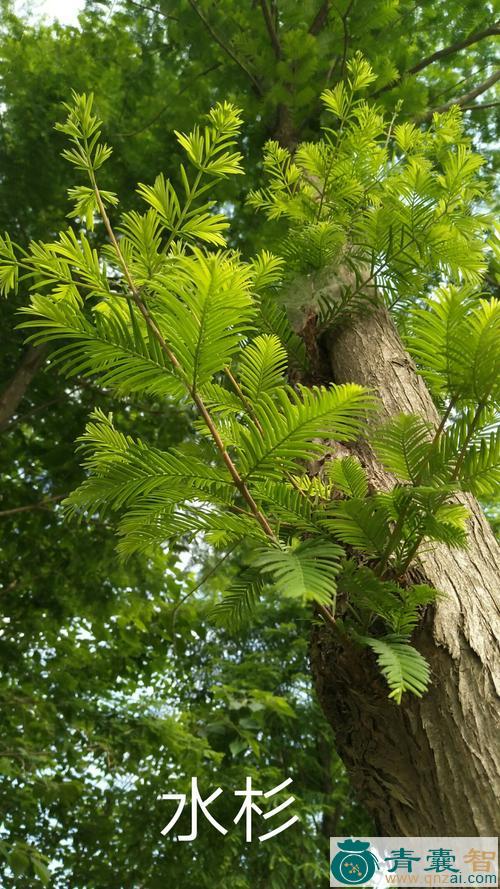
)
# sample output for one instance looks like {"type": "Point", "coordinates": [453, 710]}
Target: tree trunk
{"type": "Point", "coordinates": [15, 389]}
{"type": "Point", "coordinates": [429, 766]}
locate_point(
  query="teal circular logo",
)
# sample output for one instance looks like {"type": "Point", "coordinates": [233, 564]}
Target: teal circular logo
{"type": "Point", "coordinates": [354, 864]}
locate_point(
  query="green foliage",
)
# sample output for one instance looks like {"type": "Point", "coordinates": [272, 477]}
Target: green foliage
{"type": "Point", "coordinates": [402, 665]}
{"type": "Point", "coordinates": [288, 426]}
{"type": "Point", "coordinates": [108, 344]}
{"type": "Point", "coordinates": [372, 597]}
{"type": "Point", "coordinates": [8, 267]}
{"type": "Point", "coordinates": [455, 340]}
{"type": "Point", "coordinates": [238, 604]}
{"type": "Point", "coordinates": [173, 318]}
{"type": "Point", "coordinates": [385, 207]}
{"type": "Point", "coordinates": [480, 470]}
{"type": "Point", "coordinates": [306, 571]}
{"type": "Point", "coordinates": [360, 523]}
{"type": "Point", "coordinates": [348, 476]}
{"type": "Point", "coordinates": [404, 446]}
{"type": "Point", "coordinates": [262, 368]}
{"type": "Point", "coordinates": [199, 314]}
{"type": "Point", "coordinates": [387, 213]}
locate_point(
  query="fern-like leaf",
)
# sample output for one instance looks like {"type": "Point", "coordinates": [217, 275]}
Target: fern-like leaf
{"type": "Point", "coordinates": [403, 667]}
{"type": "Point", "coordinates": [128, 472]}
{"type": "Point", "coordinates": [456, 341]}
{"type": "Point", "coordinates": [116, 346]}
{"type": "Point", "coordinates": [359, 523]}
{"type": "Point", "coordinates": [205, 308]}
{"type": "Point", "coordinates": [306, 571]}
{"type": "Point", "coordinates": [262, 367]}
{"type": "Point", "coordinates": [237, 604]}
{"type": "Point", "coordinates": [403, 445]}
{"type": "Point", "coordinates": [348, 476]}
{"type": "Point", "coordinates": [292, 423]}
{"type": "Point", "coordinates": [480, 470]}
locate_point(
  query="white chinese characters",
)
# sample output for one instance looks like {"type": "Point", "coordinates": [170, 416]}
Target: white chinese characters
{"type": "Point", "coordinates": [247, 810]}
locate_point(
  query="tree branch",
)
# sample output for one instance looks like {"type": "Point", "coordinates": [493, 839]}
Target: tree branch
{"type": "Point", "coordinates": [164, 15]}
{"type": "Point", "coordinates": [168, 104]}
{"type": "Point", "coordinates": [227, 49]}
{"type": "Point", "coordinates": [320, 19]}
{"type": "Point", "coordinates": [44, 504]}
{"type": "Point", "coordinates": [343, 17]}
{"type": "Point", "coordinates": [208, 574]}
{"type": "Point", "coordinates": [16, 388]}
{"type": "Point", "coordinates": [151, 324]}
{"type": "Point", "coordinates": [480, 106]}
{"type": "Point", "coordinates": [476, 37]}
{"type": "Point", "coordinates": [271, 28]}
{"type": "Point", "coordinates": [461, 101]}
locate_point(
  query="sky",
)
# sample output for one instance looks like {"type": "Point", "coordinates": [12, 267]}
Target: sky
{"type": "Point", "coordinates": [66, 11]}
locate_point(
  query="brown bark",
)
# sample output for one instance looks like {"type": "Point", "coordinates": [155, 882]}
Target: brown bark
{"type": "Point", "coordinates": [429, 766]}
{"type": "Point", "coordinates": [15, 389]}
{"type": "Point", "coordinates": [285, 131]}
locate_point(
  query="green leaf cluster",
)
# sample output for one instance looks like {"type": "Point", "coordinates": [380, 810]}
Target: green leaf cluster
{"type": "Point", "coordinates": [383, 206]}
{"type": "Point", "coordinates": [165, 308]}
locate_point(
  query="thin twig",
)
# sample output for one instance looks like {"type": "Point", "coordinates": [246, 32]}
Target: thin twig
{"type": "Point", "coordinates": [468, 439]}
{"type": "Point", "coordinates": [456, 47]}
{"type": "Point", "coordinates": [155, 330]}
{"type": "Point", "coordinates": [43, 504]}
{"type": "Point", "coordinates": [480, 106]}
{"type": "Point", "coordinates": [227, 49]}
{"type": "Point", "coordinates": [164, 15]}
{"type": "Point", "coordinates": [271, 28]}
{"type": "Point", "coordinates": [199, 584]}
{"type": "Point", "coordinates": [442, 54]}
{"type": "Point", "coordinates": [462, 100]}
{"type": "Point", "coordinates": [168, 104]}
{"type": "Point", "coordinates": [244, 400]}
{"type": "Point", "coordinates": [320, 19]}
{"type": "Point", "coordinates": [472, 75]}
{"type": "Point", "coordinates": [344, 18]}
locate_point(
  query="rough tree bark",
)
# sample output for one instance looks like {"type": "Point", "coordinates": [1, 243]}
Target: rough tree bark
{"type": "Point", "coordinates": [430, 766]}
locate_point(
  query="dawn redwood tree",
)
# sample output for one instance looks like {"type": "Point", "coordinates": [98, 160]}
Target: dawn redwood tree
{"type": "Point", "coordinates": [356, 497]}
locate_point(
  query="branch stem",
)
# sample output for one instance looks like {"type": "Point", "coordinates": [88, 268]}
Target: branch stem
{"type": "Point", "coordinates": [468, 439]}
{"type": "Point", "coordinates": [224, 46]}
{"type": "Point", "coordinates": [248, 407]}
{"type": "Point", "coordinates": [155, 330]}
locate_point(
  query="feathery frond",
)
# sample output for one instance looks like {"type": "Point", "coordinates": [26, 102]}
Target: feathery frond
{"type": "Point", "coordinates": [262, 367]}
{"type": "Point", "coordinates": [238, 604]}
{"type": "Point", "coordinates": [403, 666]}
{"type": "Point", "coordinates": [306, 571]}
{"type": "Point", "coordinates": [404, 446]}
{"type": "Point", "coordinates": [292, 422]}
{"type": "Point", "coordinates": [456, 341]}
{"type": "Point", "coordinates": [348, 476]}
